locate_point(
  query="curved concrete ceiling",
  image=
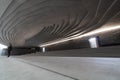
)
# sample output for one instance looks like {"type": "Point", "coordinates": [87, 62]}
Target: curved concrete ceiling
{"type": "Point", "coordinates": [33, 22]}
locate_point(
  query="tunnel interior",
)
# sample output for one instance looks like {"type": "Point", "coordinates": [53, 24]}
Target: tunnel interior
{"type": "Point", "coordinates": [31, 25]}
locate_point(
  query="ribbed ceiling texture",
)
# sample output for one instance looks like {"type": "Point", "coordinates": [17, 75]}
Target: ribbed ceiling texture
{"type": "Point", "coordinates": [33, 22]}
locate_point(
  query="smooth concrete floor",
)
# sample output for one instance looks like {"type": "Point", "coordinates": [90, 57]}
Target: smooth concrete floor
{"type": "Point", "coordinates": [75, 68]}
{"type": "Point", "coordinates": [11, 69]}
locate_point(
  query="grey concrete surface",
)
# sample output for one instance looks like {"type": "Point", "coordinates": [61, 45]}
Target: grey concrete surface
{"type": "Point", "coordinates": [81, 68]}
{"type": "Point", "coordinates": [11, 69]}
{"type": "Point", "coordinates": [3, 6]}
{"type": "Point", "coordinates": [34, 22]}
{"type": "Point", "coordinates": [112, 51]}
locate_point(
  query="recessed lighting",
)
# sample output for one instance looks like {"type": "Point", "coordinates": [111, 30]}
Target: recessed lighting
{"type": "Point", "coordinates": [107, 29]}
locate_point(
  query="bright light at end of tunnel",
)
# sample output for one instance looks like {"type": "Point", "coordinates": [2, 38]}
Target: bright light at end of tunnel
{"type": "Point", "coordinates": [107, 29]}
{"type": "Point", "coordinates": [2, 46]}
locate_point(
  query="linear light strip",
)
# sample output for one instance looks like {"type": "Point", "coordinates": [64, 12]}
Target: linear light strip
{"type": "Point", "coordinates": [81, 36]}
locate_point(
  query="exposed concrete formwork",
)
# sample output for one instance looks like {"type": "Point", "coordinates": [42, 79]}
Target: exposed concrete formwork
{"type": "Point", "coordinates": [32, 22]}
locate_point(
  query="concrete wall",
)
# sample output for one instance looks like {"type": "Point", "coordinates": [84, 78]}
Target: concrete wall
{"type": "Point", "coordinates": [21, 50]}
{"type": "Point", "coordinates": [73, 44]}
{"type": "Point", "coordinates": [113, 51]}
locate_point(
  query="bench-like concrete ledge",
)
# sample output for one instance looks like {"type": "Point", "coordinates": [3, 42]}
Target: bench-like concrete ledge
{"type": "Point", "coordinates": [113, 51]}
